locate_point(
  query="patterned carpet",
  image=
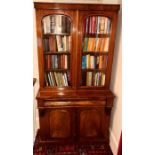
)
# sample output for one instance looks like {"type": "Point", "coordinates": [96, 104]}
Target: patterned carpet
{"type": "Point", "coordinates": [92, 149]}
{"type": "Point", "coordinates": [71, 150]}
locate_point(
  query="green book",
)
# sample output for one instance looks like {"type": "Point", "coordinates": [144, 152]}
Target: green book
{"type": "Point", "coordinates": [85, 44]}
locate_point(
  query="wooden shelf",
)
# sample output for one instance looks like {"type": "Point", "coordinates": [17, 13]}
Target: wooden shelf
{"type": "Point", "coordinates": [95, 53]}
{"type": "Point", "coordinates": [93, 70]}
{"type": "Point", "coordinates": [57, 53]}
{"type": "Point", "coordinates": [58, 87]}
{"type": "Point", "coordinates": [88, 87]}
{"type": "Point", "coordinates": [57, 70]}
{"type": "Point", "coordinates": [51, 34]}
{"type": "Point", "coordinates": [97, 35]}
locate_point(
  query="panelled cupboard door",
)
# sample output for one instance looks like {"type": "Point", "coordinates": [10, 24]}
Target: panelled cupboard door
{"type": "Point", "coordinates": [56, 48]}
{"type": "Point", "coordinates": [90, 122]}
{"type": "Point", "coordinates": [95, 51]}
{"type": "Point", "coordinates": [56, 123]}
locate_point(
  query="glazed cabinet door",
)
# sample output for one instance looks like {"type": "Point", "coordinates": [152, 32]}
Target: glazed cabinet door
{"type": "Point", "coordinates": [56, 45]}
{"type": "Point", "coordinates": [91, 123]}
{"type": "Point", "coordinates": [95, 51]}
{"type": "Point", "coordinates": [56, 123]}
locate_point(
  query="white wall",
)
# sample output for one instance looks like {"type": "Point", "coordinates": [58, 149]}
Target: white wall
{"type": "Point", "coordinates": [116, 84]}
{"type": "Point", "coordinates": [35, 75]}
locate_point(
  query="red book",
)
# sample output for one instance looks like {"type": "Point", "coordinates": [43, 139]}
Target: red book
{"type": "Point", "coordinates": [93, 25]}
{"type": "Point", "coordinates": [90, 25]}
{"type": "Point", "coordinates": [48, 61]}
{"type": "Point", "coordinates": [52, 44]}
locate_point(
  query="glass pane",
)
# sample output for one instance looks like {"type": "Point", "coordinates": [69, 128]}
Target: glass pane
{"type": "Point", "coordinates": [97, 24]}
{"type": "Point", "coordinates": [56, 24]}
{"type": "Point", "coordinates": [92, 61]}
{"type": "Point", "coordinates": [57, 50]}
{"type": "Point", "coordinates": [95, 47]}
{"type": "Point", "coordinates": [93, 78]}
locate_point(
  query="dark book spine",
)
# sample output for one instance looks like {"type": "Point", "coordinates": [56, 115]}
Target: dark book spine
{"type": "Point", "coordinates": [68, 26]}
{"type": "Point", "coordinates": [52, 24]}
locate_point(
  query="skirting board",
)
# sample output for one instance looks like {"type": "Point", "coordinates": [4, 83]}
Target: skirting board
{"type": "Point", "coordinates": [113, 143]}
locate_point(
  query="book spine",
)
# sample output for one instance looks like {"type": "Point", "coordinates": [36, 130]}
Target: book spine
{"type": "Point", "coordinates": [87, 61]}
{"type": "Point", "coordinates": [102, 25]}
{"type": "Point", "coordinates": [86, 25]}
{"type": "Point", "coordinates": [106, 45]}
{"type": "Point", "coordinates": [90, 25]}
{"type": "Point", "coordinates": [108, 26]}
{"type": "Point", "coordinates": [48, 24]}
{"type": "Point", "coordinates": [52, 23]}
{"type": "Point", "coordinates": [102, 79]}
{"type": "Point", "coordinates": [83, 62]}
{"type": "Point", "coordinates": [46, 81]}
{"type": "Point", "coordinates": [85, 44]}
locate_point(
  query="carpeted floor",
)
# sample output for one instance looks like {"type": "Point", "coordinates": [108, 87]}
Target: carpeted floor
{"type": "Point", "coordinates": [92, 149]}
{"type": "Point", "coordinates": [71, 150]}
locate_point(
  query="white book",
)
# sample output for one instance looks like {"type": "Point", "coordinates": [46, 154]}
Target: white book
{"type": "Point", "coordinates": [87, 61]}
{"type": "Point", "coordinates": [46, 24]}
{"type": "Point", "coordinates": [65, 43]}
{"type": "Point", "coordinates": [59, 43]}
{"type": "Point", "coordinates": [49, 78]}
{"type": "Point", "coordinates": [92, 62]}
{"type": "Point", "coordinates": [106, 26]}
{"type": "Point", "coordinates": [58, 27]}
{"type": "Point", "coordinates": [66, 79]}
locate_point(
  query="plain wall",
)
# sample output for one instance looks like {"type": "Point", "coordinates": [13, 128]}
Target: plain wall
{"type": "Point", "coordinates": [116, 87]}
{"type": "Point", "coordinates": [35, 75]}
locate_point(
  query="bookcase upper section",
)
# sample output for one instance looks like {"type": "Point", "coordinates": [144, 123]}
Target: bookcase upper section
{"type": "Point", "coordinates": [75, 45]}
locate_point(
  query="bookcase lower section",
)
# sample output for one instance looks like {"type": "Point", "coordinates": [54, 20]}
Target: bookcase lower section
{"type": "Point", "coordinates": [74, 121]}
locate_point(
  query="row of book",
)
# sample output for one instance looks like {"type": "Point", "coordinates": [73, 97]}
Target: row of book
{"type": "Point", "coordinates": [94, 62]}
{"type": "Point", "coordinates": [93, 79]}
{"type": "Point", "coordinates": [96, 44]}
{"type": "Point", "coordinates": [97, 24]}
{"type": "Point", "coordinates": [57, 43]}
{"type": "Point", "coordinates": [57, 61]}
{"type": "Point", "coordinates": [56, 24]}
{"type": "Point", "coordinates": [59, 79]}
